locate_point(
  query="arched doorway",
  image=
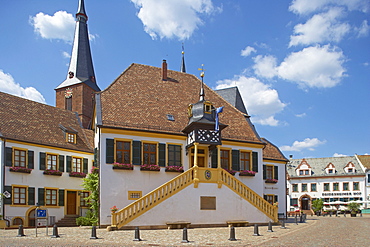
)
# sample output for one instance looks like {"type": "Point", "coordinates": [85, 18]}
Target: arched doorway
{"type": "Point", "coordinates": [305, 202]}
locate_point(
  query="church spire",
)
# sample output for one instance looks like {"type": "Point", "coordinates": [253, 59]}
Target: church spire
{"type": "Point", "coordinates": [182, 68]}
{"type": "Point", "coordinates": [81, 69]}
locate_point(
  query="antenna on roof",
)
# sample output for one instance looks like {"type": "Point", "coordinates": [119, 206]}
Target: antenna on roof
{"type": "Point", "coordinates": [202, 87]}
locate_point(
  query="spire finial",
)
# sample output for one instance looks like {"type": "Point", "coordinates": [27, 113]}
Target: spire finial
{"type": "Point", "coordinates": [182, 68]}
{"type": "Point", "coordinates": [201, 98]}
{"type": "Point", "coordinates": [81, 11]}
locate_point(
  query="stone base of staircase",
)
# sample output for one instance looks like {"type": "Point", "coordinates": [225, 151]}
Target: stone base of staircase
{"type": "Point", "coordinates": [67, 221]}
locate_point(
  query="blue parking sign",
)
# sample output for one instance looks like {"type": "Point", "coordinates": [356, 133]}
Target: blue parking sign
{"type": "Point", "coordinates": [41, 213]}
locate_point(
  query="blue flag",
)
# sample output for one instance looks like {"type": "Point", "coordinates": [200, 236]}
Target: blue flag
{"type": "Point", "coordinates": [218, 110]}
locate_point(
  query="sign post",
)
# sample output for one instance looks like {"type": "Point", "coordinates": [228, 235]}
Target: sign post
{"type": "Point", "coordinates": [41, 219]}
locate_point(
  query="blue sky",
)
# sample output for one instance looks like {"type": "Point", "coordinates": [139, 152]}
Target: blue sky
{"type": "Point", "coordinates": [302, 67]}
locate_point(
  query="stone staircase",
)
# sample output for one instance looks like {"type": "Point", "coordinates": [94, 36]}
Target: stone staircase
{"type": "Point", "coordinates": [67, 221]}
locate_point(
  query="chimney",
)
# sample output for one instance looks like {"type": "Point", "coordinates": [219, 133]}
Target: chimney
{"type": "Point", "coordinates": [164, 70]}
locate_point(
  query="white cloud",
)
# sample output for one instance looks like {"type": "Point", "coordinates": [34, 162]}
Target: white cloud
{"type": "Point", "coordinates": [262, 102]}
{"type": "Point", "coordinates": [339, 155]}
{"type": "Point", "coordinates": [363, 30]}
{"type": "Point", "coordinates": [265, 66]}
{"type": "Point", "coordinates": [315, 66]}
{"type": "Point", "coordinates": [301, 115]}
{"type": "Point", "coordinates": [176, 18]}
{"type": "Point", "coordinates": [320, 28]}
{"type": "Point", "coordinates": [307, 143]}
{"type": "Point", "coordinates": [8, 85]}
{"type": "Point", "coordinates": [304, 7]}
{"type": "Point", "coordinates": [247, 51]}
{"type": "Point", "coordinates": [66, 54]}
{"type": "Point", "coordinates": [59, 26]}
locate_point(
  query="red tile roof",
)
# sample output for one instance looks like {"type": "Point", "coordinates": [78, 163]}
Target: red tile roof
{"type": "Point", "coordinates": [33, 122]}
{"type": "Point", "coordinates": [272, 152]}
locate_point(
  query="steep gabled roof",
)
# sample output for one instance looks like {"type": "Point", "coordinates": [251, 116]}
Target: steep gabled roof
{"type": "Point", "coordinates": [365, 160]}
{"type": "Point", "coordinates": [272, 152]}
{"type": "Point", "coordinates": [140, 99]}
{"type": "Point", "coordinates": [33, 122]}
{"type": "Point", "coordinates": [232, 95]}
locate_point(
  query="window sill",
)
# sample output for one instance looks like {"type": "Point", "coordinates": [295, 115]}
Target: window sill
{"type": "Point", "coordinates": [21, 170]}
{"type": "Point", "coordinates": [141, 169]}
{"type": "Point", "coordinates": [122, 168]}
{"type": "Point", "coordinates": [77, 175]}
{"type": "Point", "coordinates": [247, 175]}
{"type": "Point", "coordinates": [53, 174]}
{"type": "Point", "coordinates": [270, 181]}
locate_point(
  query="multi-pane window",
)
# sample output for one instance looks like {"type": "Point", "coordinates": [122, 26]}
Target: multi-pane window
{"type": "Point", "coordinates": [335, 186]}
{"type": "Point", "coordinates": [71, 138]}
{"type": "Point", "coordinates": [52, 162]}
{"type": "Point", "coordinates": [51, 197]}
{"type": "Point", "coordinates": [269, 172]}
{"type": "Point", "coordinates": [123, 152]}
{"type": "Point", "coordinates": [326, 187]}
{"type": "Point", "coordinates": [150, 154]}
{"type": "Point", "coordinates": [295, 187]}
{"type": "Point", "coordinates": [76, 164]}
{"type": "Point", "coordinates": [313, 187]}
{"type": "Point", "coordinates": [83, 196]}
{"type": "Point", "coordinates": [356, 186]}
{"type": "Point", "coordinates": [225, 159]}
{"type": "Point", "coordinates": [304, 187]}
{"type": "Point", "coordinates": [19, 158]}
{"type": "Point", "coordinates": [19, 195]}
{"type": "Point", "coordinates": [174, 155]}
{"type": "Point", "coordinates": [245, 161]}
{"type": "Point", "coordinates": [269, 198]}
{"type": "Point", "coordinates": [134, 195]}
{"type": "Point", "coordinates": [345, 186]}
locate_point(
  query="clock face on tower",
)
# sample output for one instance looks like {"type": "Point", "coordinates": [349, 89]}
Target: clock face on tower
{"type": "Point", "coordinates": [68, 93]}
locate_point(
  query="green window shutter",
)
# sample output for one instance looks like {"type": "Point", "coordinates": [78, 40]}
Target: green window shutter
{"type": "Point", "coordinates": [109, 157]}
{"type": "Point", "coordinates": [275, 198]}
{"type": "Point", "coordinates": [42, 161]}
{"type": "Point", "coordinates": [174, 155]}
{"type": "Point", "coordinates": [255, 161]}
{"type": "Point", "coordinates": [265, 197]}
{"type": "Point", "coordinates": [30, 159]}
{"type": "Point", "coordinates": [235, 154]}
{"type": "Point", "coordinates": [214, 158]}
{"type": "Point", "coordinates": [31, 196]}
{"type": "Point", "coordinates": [41, 196]}
{"type": "Point", "coordinates": [264, 171]}
{"type": "Point", "coordinates": [95, 156]}
{"type": "Point", "coordinates": [86, 166]}
{"type": "Point", "coordinates": [9, 189]}
{"type": "Point", "coordinates": [136, 152]}
{"type": "Point", "coordinates": [61, 198]}
{"type": "Point", "coordinates": [8, 157]}
{"type": "Point", "coordinates": [276, 172]}
{"type": "Point", "coordinates": [61, 163]}
{"type": "Point", "coordinates": [162, 154]}
{"type": "Point", "coordinates": [69, 163]}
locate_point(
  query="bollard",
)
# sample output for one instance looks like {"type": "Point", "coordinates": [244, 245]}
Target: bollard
{"type": "Point", "coordinates": [283, 224]}
{"type": "Point", "coordinates": [232, 234]}
{"type": "Point", "coordinates": [93, 233]}
{"type": "Point", "coordinates": [185, 236]}
{"type": "Point", "coordinates": [344, 214]}
{"type": "Point", "coordinates": [304, 218]}
{"type": "Point", "coordinates": [361, 214]}
{"type": "Point", "coordinates": [296, 220]}
{"type": "Point", "coordinates": [269, 228]}
{"type": "Point", "coordinates": [256, 230]}
{"type": "Point", "coordinates": [137, 234]}
{"type": "Point", "coordinates": [20, 231]}
{"type": "Point", "coordinates": [55, 232]}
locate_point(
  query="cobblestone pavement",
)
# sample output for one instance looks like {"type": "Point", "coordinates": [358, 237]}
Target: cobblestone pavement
{"type": "Point", "coordinates": [317, 231]}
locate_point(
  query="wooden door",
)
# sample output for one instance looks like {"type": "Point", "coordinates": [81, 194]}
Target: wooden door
{"type": "Point", "coordinates": [71, 202]}
{"type": "Point", "coordinates": [201, 158]}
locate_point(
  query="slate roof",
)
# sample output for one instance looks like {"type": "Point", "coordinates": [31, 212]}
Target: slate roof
{"type": "Point", "coordinates": [318, 166]}
{"type": "Point", "coordinates": [140, 99]}
{"type": "Point", "coordinates": [33, 122]}
{"type": "Point", "coordinates": [232, 95]}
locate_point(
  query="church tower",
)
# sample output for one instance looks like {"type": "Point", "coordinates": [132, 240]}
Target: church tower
{"type": "Point", "coordinates": [77, 92]}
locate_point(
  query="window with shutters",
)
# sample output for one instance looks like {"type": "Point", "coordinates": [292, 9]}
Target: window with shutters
{"type": "Point", "coordinates": [19, 195]}
{"type": "Point", "coordinates": [123, 152]}
{"type": "Point", "coordinates": [269, 172]}
{"type": "Point", "coordinates": [76, 164]}
{"type": "Point", "coordinates": [174, 155]}
{"type": "Point", "coordinates": [225, 158]}
{"type": "Point", "coordinates": [270, 198]}
{"type": "Point", "coordinates": [20, 158]}
{"type": "Point", "coordinates": [149, 153]}
{"type": "Point", "coordinates": [245, 161]}
{"type": "Point", "coordinates": [51, 197]}
{"type": "Point", "coordinates": [51, 161]}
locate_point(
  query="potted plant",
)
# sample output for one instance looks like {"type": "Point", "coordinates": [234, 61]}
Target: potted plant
{"type": "Point", "coordinates": [20, 169]}
{"type": "Point", "coordinates": [271, 181]}
{"type": "Point", "coordinates": [247, 173]}
{"type": "Point", "coordinates": [52, 172]}
{"type": "Point", "coordinates": [232, 172]}
{"type": "Point", "coordinates": [146, 167]}
{"type": "Point", "coordinates": [123, 166]}
{"type": "Point", "coordinates": [77, 174]}
{"type": "Point", "coordinates": [317, 206]}
{"type": "Point", "coordinates": [113, 209]}
{"type": "Point", "coordinates": [353, 207]}
{"type": "Point", "coordinates": [174, 169]}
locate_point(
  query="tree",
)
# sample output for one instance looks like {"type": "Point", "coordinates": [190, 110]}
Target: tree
{"type": "Point", "coordinates": [91, 183]}
{"type": "Point", "coordinates": [353, 207]}
{"type": "Point", "coordinates": [317, 205]}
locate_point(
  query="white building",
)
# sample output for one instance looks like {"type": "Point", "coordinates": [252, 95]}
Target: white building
{"type": "Point", "coordinates": [335, 180]}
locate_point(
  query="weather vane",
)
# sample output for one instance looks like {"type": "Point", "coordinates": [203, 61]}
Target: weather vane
{"type": "Point", "coordinates": [202, 73]}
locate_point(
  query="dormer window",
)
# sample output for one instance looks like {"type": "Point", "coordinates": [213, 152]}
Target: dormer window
{"type": "Point", "coordinates": [207, 107]}
{"type": "Point", "coordinates": [350, 169]}
{"type": "Point", "coordinates": [304, 172]}
{"type": "Point", "coordinates": [71, 138]}
{"type": "Point", "coordinates": [330, 169]}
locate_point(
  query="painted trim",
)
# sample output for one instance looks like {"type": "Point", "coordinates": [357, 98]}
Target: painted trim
{"type": "Point", "coordinates": [129, 193]}
{"type": "Point", "coordinates": [315, 177]}
{"type": "Point", "coordinates": [49, 147]}
{"type": "Point", "coordinates": [46, 161]}
{"type": "Point", "coordinates": [115, 148]}
{"type": "Point", "coordinates": [105, 130]}
{"type": "Point", "coordinates": [243, 144]}
{"type": "Point", "coordinates": [57, 199]}
{"type": "Point", "coordinates": [19, 186]}
{"type": "Point", "coordinates": [13, 156]}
